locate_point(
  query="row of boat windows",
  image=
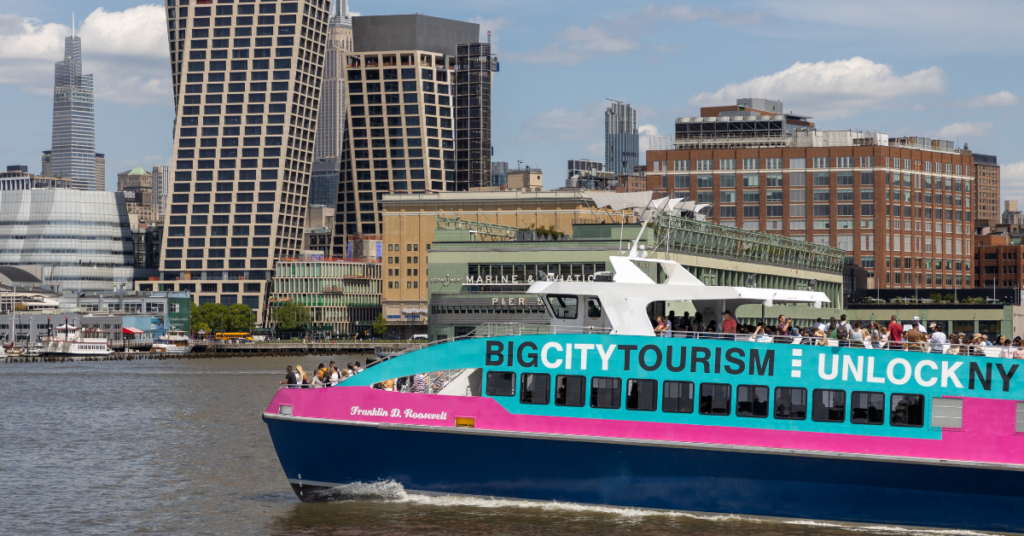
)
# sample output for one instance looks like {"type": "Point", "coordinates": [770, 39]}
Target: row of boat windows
{"type": "Point", "coordinates": [791, 403]}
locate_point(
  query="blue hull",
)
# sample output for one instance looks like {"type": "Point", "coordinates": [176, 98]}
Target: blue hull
{"type": "Point", "coordinates": [644, 476]}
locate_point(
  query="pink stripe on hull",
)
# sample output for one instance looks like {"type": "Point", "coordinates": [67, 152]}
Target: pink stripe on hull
{"type": "Point", "coordinates": [988, 434]}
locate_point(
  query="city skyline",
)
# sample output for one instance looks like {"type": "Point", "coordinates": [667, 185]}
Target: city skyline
{"type": "Point", "coordinates": [872, 86]}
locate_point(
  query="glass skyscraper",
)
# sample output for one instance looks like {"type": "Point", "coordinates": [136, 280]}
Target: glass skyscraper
{"type": "Point", "coordinates": [73, 153]}
{"type": "Point", "coordinates": [621, 139]}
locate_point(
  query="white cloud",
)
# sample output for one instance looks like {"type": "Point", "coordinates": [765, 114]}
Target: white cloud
{"type": "Point", "coordinates": [1011, 178]}
{"type": "Point", "coordinates": [964, 130]}
{"type": "Point", "coordinates": [646, 133]}
{"type": "Point", "coordinates": [491, 25]}
{"type": "Point", "coordinates": [575, 45]}
{"type": "Point", "coordinates": [689, 14]}
{"type": "Point", "coordinates": [833, 89]}
{"type": "Point", "coordinates": [126, 51]}
{"type": "Point", "coordinates": [584, 123]}
{"type": "Point", "coordinates": [622, 34]}
{"type": "Point", "coordinates": [1003, 98]}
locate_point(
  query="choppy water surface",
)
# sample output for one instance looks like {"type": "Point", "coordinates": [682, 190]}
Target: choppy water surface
{"type": "Point", "coordinates": [178, 447]}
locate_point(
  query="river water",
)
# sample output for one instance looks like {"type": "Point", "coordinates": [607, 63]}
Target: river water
{"type": "Point", "coordinates": [178, 447]}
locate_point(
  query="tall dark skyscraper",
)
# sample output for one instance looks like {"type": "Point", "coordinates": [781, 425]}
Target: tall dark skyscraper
{"type": "Point", "coordinates": [73, 153]}
{"type": "Point", "coordinates": [473, 115]}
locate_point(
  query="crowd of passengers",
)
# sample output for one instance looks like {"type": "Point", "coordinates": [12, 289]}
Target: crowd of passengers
{"type": "Point", "coordinates": [323, 376]}
{"type": "Point", "coordinates": [841, 333]}
{"type": "Point", "coordinates": [331, 375]}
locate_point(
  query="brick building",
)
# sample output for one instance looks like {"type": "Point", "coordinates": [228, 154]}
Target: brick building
{"type": "Point", "coordinates": [901, 208]}
{"type": "Point", "coordinates": [986, 197]}
{"type": "Point", "coordinates": [999, 258]}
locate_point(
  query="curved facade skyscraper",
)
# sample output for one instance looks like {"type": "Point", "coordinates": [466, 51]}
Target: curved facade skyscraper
{"type": "Point", "coordinates": [73, 153]}
{"type": "Point", "coordinates": [79, 240]}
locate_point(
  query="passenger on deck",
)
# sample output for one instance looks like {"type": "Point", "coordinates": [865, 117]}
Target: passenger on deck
{"type": "Point", "coordinates": [876, 335]}
{"type": "Point", "coordinates": [389, 385]}
{"type": "Point", "coordinates": [698, 323]}
{"type": "Point", "coordinates": [895, 334]}
{"type": "Point", "coordinates": [419, 383]}
{"type": "Point", "coordinates": [915, 337]}
{"type": "Point", "coordinates": [290, 378]}
{"type": "Point", "coordinates": [661, 328]}
{"type": "Point", "coordinates": [673, 323]}
{"type": "Point", "coordinates": [761, 335]}
{"type": "Point", "coordinates": [335, 374]}
{"type": "Point", "coordinates": [938, 339]}
{"type": "Point", "coordinates": [686, 323]}
{"type": "Point", "coordinates": [302, 375]}
{"type": "Point", "coordinates": [728, 325]}
{"type": "Point", "coordinates": [1019, 352]}
{"type": "Point", "coordinates": [1007, 350]}
{"type": "Point", "coordinates": [857, 336]}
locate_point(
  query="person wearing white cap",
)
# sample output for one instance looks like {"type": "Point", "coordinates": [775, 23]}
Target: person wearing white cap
{"type": "Point", "coordinates": [920, 326]}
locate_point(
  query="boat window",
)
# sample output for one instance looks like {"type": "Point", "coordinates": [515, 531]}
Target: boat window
{"type": "Point", "coordinates": [1019, 427]}
{"type": "Point", "coordinates": [715, 399]}
{"type": "Point", "coordinates": [829, 405]}
{"type": "Point", "coordinates": [908, 410]}
{"type": "Point", "coordinates": [569, 390]}
{"type": "Point", "coordinates": [752, 401]}
{"type": "Point", "coordinates": [564, 307]}
{"type": "Point", "coordinates": [500, 383]}
{"type": "Point", "coordinates": [642, 395]}
{"type": "Point", "coordinates": [606, 393]}
{"type": "Point", "coordinates": [677, 397]}
{"type": "Point", "coordinates": [791, 403]}
{"type": "Point", "coordinates": [535, 388]}
{"type": "Point", "coordinates": [593, 308]}
{"type": "Point", "coordinates": [867, 408]}
{"type": "Point", "coordinates": [946, 412]}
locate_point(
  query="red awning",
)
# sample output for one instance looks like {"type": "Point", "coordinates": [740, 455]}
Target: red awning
{"type": "Point", "coordinates": [132, 331]}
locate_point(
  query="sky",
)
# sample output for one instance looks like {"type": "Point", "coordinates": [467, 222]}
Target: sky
{"type": "Point", "coordinates": [937, 69]}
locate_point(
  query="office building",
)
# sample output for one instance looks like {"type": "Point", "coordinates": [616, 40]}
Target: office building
{"type": "Point", "coordinates": [499, 173]}
{"type": "Point", "coordinates": [137, 185]}
{"type": "Point", "coordinates": [330, 127]}
{"type": "Point", "coordinates": [900, 207]}
{"type": "Point", "coordinates": [343, 297]}
{"type": "Point", "coordinates": [76, 240]}
{"type": "Point", "coordinates": [323, 183]}
{"type": "Point", "coordinates": [621, 139]}
{"type": "Point", "coordinates": [986, 198]}
{"type": "Point", "coordinates": [246, 89]}
{"type": "Point", "coordinates": [400, 135]}
{"type": "Point", "coordinates": [73, 153]}
{"type": "Point", "coordinates": [18, 178]}
{"type": "Point", "coordinates": [101, 172]}
{"type": "Point", "coordinates": [579, 166]}
{"type": "Point", "coordinates": [588, 175]}
{"type": "Point", "coordinates": [413, 221]}
{"type": "Point", "coordinates": [473, 79]}
{"type": "Point", "coordinates": [1011, 215]}
{"type": "Point", "coordinates": [319, 229]}
{"type": "Point", "coordinates": [161, 180]}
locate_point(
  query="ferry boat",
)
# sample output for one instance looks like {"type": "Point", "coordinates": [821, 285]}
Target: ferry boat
{"type": "Point", "coordinates": [173, 342]}
{"type": "Point", "coordinates": [596, 409]}
{"type": "Point", "coordinates": [71, 341]}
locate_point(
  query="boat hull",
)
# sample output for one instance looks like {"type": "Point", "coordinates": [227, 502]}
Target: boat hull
{"type": "Point", "coordinates": [625, 474]}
